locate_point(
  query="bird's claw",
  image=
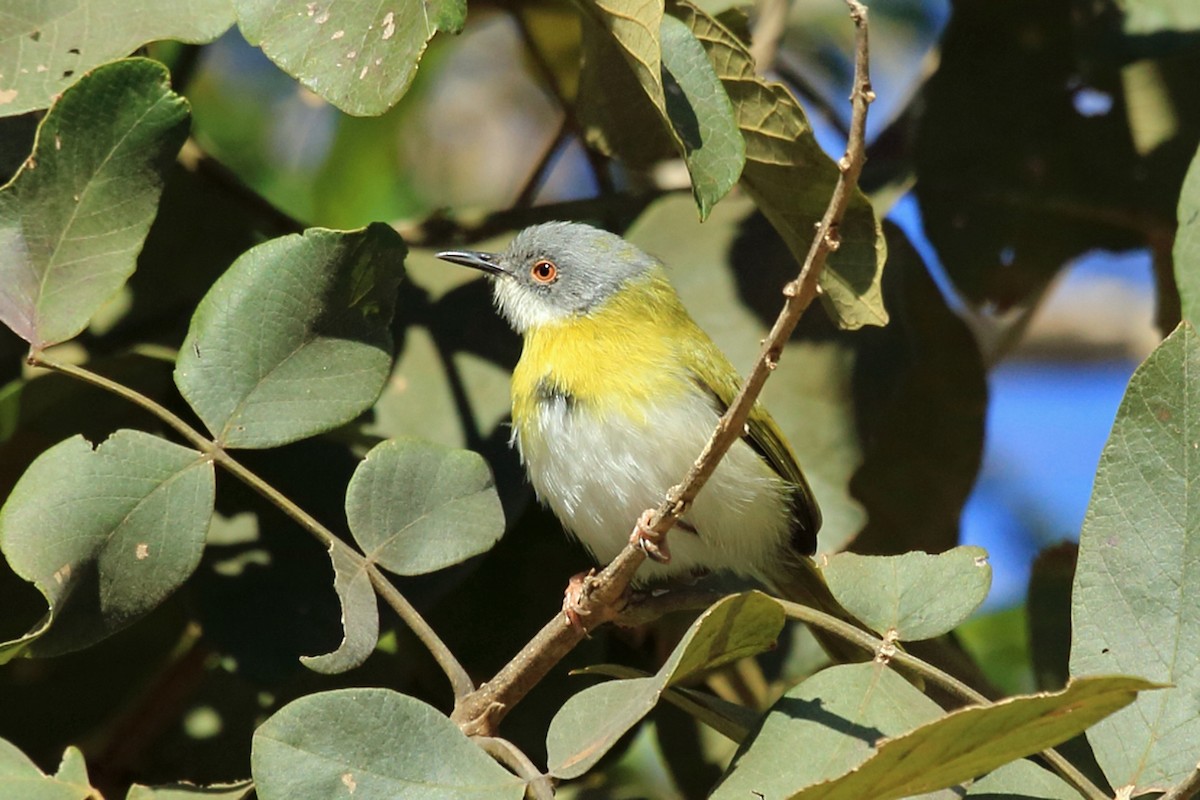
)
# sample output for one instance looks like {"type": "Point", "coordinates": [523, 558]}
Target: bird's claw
{"type": "Point", "coordinates": [650, 541]}
{"type": "Point", "coordinates": [571, 607]}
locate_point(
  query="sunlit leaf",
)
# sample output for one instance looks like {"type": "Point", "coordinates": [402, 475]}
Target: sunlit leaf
{"type": "Point", "coordinates": [371, 743]}
{"type": "Point", "coordinates": [911, 596]}
{"type": "Point", "coordinates": [361, 56]}
{"type": "Point", "coordinates": [294, 339]}
{"type": "Point", "coordinates": [20, 777]}
{"type": "Point", "coordinates": [834, 718]}
{"type": "Point", "coordinates": [592, 721]}
{"type": "Point", "coordinates": [1136, 604]}
{"type": "Point", "coordinates": [972, 741]}
{"type": "Point", "coordinates": [47, 46]}
{"type": "Point", "coordinates": [74, 218]}
{"type": "Point", "coordinates": [1143, 17]}
{"type": "Point", "coordinates": [105, 534]}
{"type": "Point", "coordinates": [791, 179]}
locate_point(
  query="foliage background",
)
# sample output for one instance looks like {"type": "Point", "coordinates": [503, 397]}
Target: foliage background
{"type": "Point", "coordinates": [1012, 143]}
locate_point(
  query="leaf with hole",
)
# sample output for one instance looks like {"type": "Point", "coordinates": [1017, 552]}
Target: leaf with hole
{"type": "Point", "coordinates": [46, 47]}
{"type": "Point", "coordinates": [361, 56]}
{"type": "Point", "coordinates": [295, 338]}
{"type": "Point", "coordinates": [74, 217]}
{"type": "Point", "coordinates": [360, 615]}
{"type": "Point", "coordinates": [105, 533]}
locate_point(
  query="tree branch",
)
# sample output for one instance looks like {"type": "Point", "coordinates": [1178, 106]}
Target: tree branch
{"type": "Point", "coordinates": [460, 681]}
{"type": "Point", "coordinates": [602, 595]}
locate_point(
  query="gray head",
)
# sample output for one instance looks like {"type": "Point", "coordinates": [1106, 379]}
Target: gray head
{"type": "Point", "coordinates": [555, 270]}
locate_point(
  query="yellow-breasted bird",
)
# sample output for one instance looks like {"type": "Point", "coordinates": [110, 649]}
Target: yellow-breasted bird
{"type": "Point", "coordinates": [615, 394]}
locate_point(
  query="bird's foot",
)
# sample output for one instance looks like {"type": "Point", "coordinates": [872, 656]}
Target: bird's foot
{"type": "Point", "coordinates": [571, 608]}
{"type": "Point", "coordinates": [651, 542]}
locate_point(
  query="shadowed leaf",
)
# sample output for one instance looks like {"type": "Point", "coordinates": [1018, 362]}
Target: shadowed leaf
{"type": "Point", "coordinates": [74, 218]}
{"type": "Point", "coordinates": [105, 534]}
{"type": "Point", "coordinates": [360, 617]}
{"type": "Point", "coordinates": [294, 339]}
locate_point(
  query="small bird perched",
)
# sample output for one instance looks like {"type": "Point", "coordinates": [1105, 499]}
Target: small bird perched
{"type": "Point", "coordinates": [615, 394]}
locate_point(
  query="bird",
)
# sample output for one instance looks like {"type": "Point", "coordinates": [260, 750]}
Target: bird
{"type": "Point", "coordinates": [614, 396]}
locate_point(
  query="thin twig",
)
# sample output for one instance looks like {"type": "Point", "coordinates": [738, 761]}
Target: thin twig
{"type": "Point", "coordinates": [539, 173]}
{"type": "Point", "coordinates": [768, 30]}
{"type": "Point", "coordinates": [480, 712]}
{"type": "Point", "coordinates": [952, 685]}
{"type": "Point", "coordinates": [511, 756]}
{"type": "Point", "coordinates": [1186, 790]}
{"type": "Point", "coordinates": [596, 161]}
{"type": "Point", "coordinates": [460, 681]}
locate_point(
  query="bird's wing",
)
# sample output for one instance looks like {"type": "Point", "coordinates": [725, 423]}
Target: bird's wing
{"type": "Point", "coordinates": [710, 370]}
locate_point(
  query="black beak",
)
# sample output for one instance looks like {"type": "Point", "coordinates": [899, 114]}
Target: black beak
{"type": "Point", "coordinates": [485, 262]}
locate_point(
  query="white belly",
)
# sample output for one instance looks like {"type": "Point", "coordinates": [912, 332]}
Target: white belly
{"type": "Point", "coordinates": [599, 473]}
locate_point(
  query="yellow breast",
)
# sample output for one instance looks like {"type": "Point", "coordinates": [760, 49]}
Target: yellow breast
{"type": "Point", "coordinates": [613, 360]}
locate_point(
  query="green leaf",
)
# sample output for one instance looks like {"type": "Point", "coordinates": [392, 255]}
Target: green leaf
{"type": "Point", "coordinates": [912, 596]}
{"type": "Point", "coordinates": [360, 616]}
{"type": "Point", "coordinates": [20, 777]}
{"type": "Point", "coordinates": [1022, 780]}
{"type": "Point", "coordinates": [74, 217]}
{"type": "Point", "coordinates": [1160, 16]}
{"type": "Point", "coordinates": [1187, 244]}
{"type": "Point", "coordinates": [294, 339]}
{"type": "Point", "coordinates": [835, 718]}
{"type": "Point", "coordinates": [359, 55]}
{"type": "Point", "coordinates": [972, 741]}
{"type": "Point", "coordinates": [371, 743]}
{"type": "Point", "coordinates": [188, 791]}
{"type": "Point", "coordinates": [415, 507]}
{"type": "Point", "coordinates": [45, 47]}
{"type": "Point", "coordinates": [105, 534]}
{"type": "Point", "coordinates": [791, 179]}
{"type": "Point", "coordinates": [635, 28]}
{"type": "Point", "coordinates": [728, 719]}
{"type": "Point", "coordinates": [592, 721]}
{"type": "Point", "coordinates": [1136, 604]}
{"type": "Point", "coordinates": [616, 94]}
{"type": "Point", "coordinates": [701, 116]}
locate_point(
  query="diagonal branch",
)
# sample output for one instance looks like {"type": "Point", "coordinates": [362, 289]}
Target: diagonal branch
{"type": "Point", "coordinates": [480, 712]}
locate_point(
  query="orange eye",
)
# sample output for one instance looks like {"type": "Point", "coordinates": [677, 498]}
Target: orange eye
{"type": "Point", "coordinates": [544, 271]}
